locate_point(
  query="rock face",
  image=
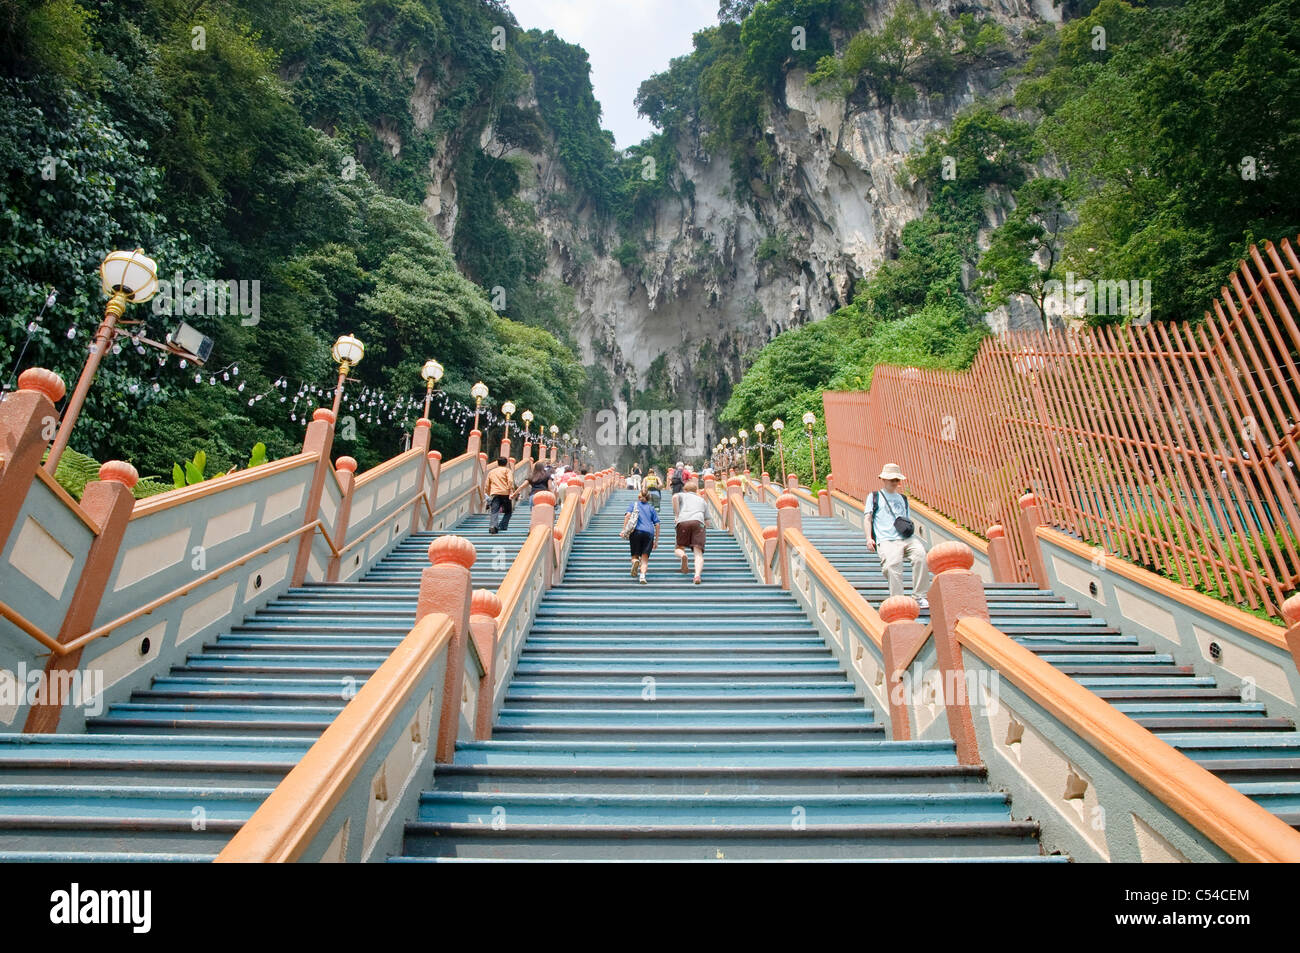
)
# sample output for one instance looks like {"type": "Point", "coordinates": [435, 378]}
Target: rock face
{"type": "Point", "coordinates": [718, 277]}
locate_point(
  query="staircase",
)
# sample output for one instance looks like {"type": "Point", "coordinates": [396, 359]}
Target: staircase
{"type": "Point", "coordinates": [1235, 739]}
{"type": "Point", "coordinates": [679, 722]}
{"type": "Point", "coordinates": [173, 773]}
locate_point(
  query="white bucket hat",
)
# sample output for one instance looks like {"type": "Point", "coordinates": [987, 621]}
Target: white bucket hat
{"type": "Point", "coordinates": [892, 471]}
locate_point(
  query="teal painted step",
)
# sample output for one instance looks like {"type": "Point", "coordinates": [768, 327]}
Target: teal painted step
{"type": "Point", "coordinates": [220, 730]}
{"type": "Point", "coordinates": [1168, 699]}
{"type": "Point", "coordinates": [781, 810]}
{"type": "Point", "coordinates": [691, 723]}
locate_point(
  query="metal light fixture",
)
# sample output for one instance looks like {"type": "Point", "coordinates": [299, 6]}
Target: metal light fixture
{"type": "Point", "coordinates": [127, 277]}
{"type": "Point", "coordinates": [432, 373]}
{"type": "Point", "coordinates": [758, 432]}
{"type": "Point", "coordinates": [778, 425]}
{"type": "Point", "coordinates": [347, 352]}
{"type": "Point", "coordinates": [809, 420]}
{"type": "Point", "coordinates": [527, 418]}
{"type": "Point", "coordinates": [479, 392]}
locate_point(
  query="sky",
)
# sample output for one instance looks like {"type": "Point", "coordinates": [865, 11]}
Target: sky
{"type": "Point", "coordinates": [627, 42]}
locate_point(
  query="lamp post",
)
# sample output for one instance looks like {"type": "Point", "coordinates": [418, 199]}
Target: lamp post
{"type": "Point", "coordinates": [555, 432]}
{"type": "Point", "coordinates": [527, 418]}
{"type": "Point", "coordinates": [348, 352]}
{"type": "Point", "coordinates": [758, 432]}
{"type": "Point", "coordinates": [778, 425]}
{"type": "Point", "coordinates": [731, 461]}
{"type": "Point", "coordinates": [432, 373]}
{"type": "Point", "coordinates": [568, 449]}
{"type": "Point", "coordinates": [479, 392]}
{"type": "Point", "coordinates": [809, 419]}
{"type": "Point", "coordinates": [744, 450]}
{"type": "Point", "coordinates": [508, 408]}
{"type": "Point", "coordinates": [127, 277]}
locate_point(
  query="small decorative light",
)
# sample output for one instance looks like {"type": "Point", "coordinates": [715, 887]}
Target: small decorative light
{"type": "Point", "coordinates": [809, 419]}
{"type": "Point", "coordinates": [508, 408]}
{"type": "Point", "coordinates": [431, 372]}
{"type": "Point", "coordinates": [479, 392]}
{"type": "Point", "coordinates": [778, 425]}
{"type": "Point", "coordinates": [758, 429]}
{"type": "Point", "coordinates": [744, 435]}
{"type": "Point", "coordinates": [526, 416]}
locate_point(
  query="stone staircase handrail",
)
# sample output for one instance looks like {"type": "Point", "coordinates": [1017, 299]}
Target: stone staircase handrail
{"type": "Point", "coordinates": [322, 810]}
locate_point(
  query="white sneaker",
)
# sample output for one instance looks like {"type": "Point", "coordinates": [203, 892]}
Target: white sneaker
{"type": "Point", "coordinates": [923, 603]}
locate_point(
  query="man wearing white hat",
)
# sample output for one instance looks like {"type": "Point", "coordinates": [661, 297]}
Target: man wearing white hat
{"type": "Point", "coordinates": [887, 521]}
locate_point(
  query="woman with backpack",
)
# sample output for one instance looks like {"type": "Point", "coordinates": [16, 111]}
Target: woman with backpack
{"type": "Point", "coordinates": [692, 517]}
{"type": "Point", "coordinates": [652, 485]}
{"type": "Point", "coordinates": [641, 528]}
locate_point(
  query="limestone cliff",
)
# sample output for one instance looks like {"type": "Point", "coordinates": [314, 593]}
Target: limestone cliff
{"type": "Point", "coordinates": [699, 295]}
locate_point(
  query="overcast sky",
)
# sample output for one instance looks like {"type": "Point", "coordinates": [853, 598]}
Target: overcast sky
{"type": "Point", "coordinates": [626, 40]}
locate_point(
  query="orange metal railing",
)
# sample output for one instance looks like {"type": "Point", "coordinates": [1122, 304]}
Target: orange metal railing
{"type": "Point", "coordinates": [1173, 446]}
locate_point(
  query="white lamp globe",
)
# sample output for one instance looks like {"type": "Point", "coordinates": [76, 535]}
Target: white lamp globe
{"type": "Point", "coordinates": [130, 272]}
{"type": "Point", "coordinates": [348, 350]}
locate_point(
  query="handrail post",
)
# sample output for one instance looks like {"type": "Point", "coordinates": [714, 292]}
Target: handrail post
{"type": "Point", "coordinates": [1000, 558]}
{"type": "Point", "coordinates": [734, 498]}
{"type": "Point", "coordinates": [484, 611]}
{"type": "Point", "coordinates": [474, 443]}
{"type": "Point", "coordinates": [590, 482]}
{"type": "Point", "coordinates": [787, 515]}
{"type": "Point", "coordinates": [542, 513]}
{"type": "Point", "coordinates": [823, 503]}
{"type": "Point", "coordinates": [480, 473]}
{"type": "Point", "coordinates": [1031, 517]}
{"type": "Point", "coordinates": [319, 439]}
{"type": "Point", "coordinates": [445, 588]}
{"type": "Point", "coordinates": [573, 497]}
{"type": "Point", "coordinates": [109, 502]}
{"type": "Point", "coordinates": [345, 470]}
{"type": "Point", "coordinates": [902, 638]}
{"type": "Point", "coordinates": [26, 417]}
{"type": "Point", "coordinates": [955, 593]}
{"type": "Point", "coordinates": [770, 546]}
{"type": "Point", "coordinates": [420, 441]}
{"type": "Point", "coordinates": [1291, 613]}
{"type": "Point", "coordinates": [435, 478]}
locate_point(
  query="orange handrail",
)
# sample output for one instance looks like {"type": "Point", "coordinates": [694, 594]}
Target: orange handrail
{"type": "Point", "coordinates": [1243, 829]}
{"type": "Point", "coordinates": [282, 828]}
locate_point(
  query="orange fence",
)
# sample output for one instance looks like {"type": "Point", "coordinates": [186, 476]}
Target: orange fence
{"type": "Point", "coordinates": [1171, 445]}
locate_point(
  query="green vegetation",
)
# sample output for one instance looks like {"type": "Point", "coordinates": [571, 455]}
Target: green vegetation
{"type": "Point", "coordinates": [270, 141]}
{"type": "Point", "coordinates": [1172, 132]}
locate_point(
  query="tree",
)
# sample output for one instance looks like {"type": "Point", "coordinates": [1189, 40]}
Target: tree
{"type": "Point", "coordinates": [1024, 251]}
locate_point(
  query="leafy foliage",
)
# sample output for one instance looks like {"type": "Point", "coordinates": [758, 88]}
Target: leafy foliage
{"type": "Point", "coordinates": [276, 144]}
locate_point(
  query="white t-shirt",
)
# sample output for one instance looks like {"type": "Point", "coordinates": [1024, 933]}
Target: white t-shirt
{"type": "Point", "coordinates": [692, 508]}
